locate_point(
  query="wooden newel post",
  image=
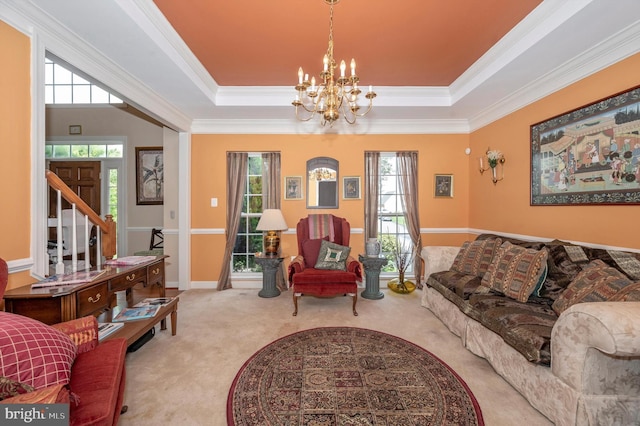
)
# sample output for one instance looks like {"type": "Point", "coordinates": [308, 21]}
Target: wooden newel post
{"type": "Point", "coordinates": [109, 238]}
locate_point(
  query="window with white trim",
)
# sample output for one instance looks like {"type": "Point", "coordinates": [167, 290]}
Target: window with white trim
{"type": "Point", "coordinates": [249, 240]}
{"type": "Point", "coordinates": [392, 228]}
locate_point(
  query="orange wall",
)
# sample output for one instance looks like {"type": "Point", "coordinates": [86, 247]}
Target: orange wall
{"type": "Point", "coordinates": [437, 154]}
{"type": "Point", "coordinates": [505, 207]}
{"type": "Point", "coordinates": [15, 161]}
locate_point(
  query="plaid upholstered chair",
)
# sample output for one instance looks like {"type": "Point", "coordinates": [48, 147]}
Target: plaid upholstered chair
{"type": "Point", "coordinates": [324, 266]}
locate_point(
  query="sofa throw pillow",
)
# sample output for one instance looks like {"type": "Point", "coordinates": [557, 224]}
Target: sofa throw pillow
{"type": "Point", "coordinates": [310, 250]}
{"type": "Point", "coordinates": [597, 282]}
{"type": "Point", "coordinates": [54, 394]}
{"type": "Point", "coordinates": [83, 332]}
{"type": "Point", "coordinates": [475, 257]}
{"type": "Point", "coordinates": [630, 293]}
{"type": "Point", "coordinates": [9, 388]}
{"type": "Point", "coordinates": [515, 271]}
{"type": "Point", "coordinates": [332, 256]}
{"type": "Point", "coordinates": [34, 353]}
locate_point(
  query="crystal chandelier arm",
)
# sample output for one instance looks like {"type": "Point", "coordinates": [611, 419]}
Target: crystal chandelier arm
{"type": "Point", "coordinates": [304, 118]}
{"type": "Point", "coordinates": [337, 94]}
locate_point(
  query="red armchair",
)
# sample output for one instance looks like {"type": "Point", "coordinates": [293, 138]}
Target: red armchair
{"type": "Point", "coordinates": [306, 278]}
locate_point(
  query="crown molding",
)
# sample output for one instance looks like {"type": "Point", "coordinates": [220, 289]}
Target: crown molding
{"type": "Point", "coordinates": [618, 47]}
{"type": "Point", "coordinates": [363, 126]}
{"type": "Point", "coordinates": [278, 96]}
{"type": "Point", "coordinates": [147, 15]}
{"type": "Point", "coordinates": [453, 109]}
{"type": "Point", "coordinates": [548, 16]}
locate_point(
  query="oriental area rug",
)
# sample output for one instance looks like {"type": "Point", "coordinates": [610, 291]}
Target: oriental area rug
{"type": "Point", "coordinates": [337, 376]}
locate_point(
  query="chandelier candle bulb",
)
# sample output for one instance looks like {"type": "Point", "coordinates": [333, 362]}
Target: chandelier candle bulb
{"type": "Point", "coordinates": [353, 67]}
{"type": "Point", "coordinates": [300, 73]}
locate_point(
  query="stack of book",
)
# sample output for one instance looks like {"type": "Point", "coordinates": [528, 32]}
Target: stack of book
{"type": "Point", "coordinates": [155, 301]}
{"type": "Point", "coordinates": [107, 328]}
{"type": "Point", "coordinates": [135, 313]}
{"type": "Point", "coordinates": [147, 308]}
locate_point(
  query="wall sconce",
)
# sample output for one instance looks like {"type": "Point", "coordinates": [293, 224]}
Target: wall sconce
{"type": "Point", "coordinates": [494, 159]}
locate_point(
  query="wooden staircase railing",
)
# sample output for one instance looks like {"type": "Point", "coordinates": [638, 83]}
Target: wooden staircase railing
{"type": "Point", "coordinates": [107, 227]}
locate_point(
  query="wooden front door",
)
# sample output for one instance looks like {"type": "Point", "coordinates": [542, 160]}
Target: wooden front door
{"type": "Point", "coordinates": [83, 177]}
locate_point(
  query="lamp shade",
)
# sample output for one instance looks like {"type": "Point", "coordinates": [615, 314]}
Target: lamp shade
{"type": "Point", "coordinates": [272, 220]}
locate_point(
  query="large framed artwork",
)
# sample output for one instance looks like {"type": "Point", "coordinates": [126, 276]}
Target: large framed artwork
{"type": "Point", "coordinates": [149, 175]}
{"type": "Point", "coordinates": [590, 155]}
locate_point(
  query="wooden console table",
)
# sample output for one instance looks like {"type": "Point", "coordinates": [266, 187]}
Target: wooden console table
{"type": "Point", "coordinates": [133, 330]}
{"type": "Point", "coordinates": [57, 304]}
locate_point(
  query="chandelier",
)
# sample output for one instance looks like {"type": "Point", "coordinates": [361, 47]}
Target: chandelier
{"type": "Point", "coordinates": [334, 95]}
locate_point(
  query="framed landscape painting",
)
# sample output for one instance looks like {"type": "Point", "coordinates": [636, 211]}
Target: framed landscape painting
{"type": "Point", "coordinates": [149, 176]}
{"type": "Point", "coordinates": [590, 155]}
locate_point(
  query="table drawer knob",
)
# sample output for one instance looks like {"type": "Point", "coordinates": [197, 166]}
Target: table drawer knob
{"type": "Point", "coordinates": [131, 277]}
{"type": "Point", "coordinates": [92, 300]}
{"type": "Point", "coordinates": [155, 271]}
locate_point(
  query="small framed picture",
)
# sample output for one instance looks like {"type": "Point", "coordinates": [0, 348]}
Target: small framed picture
{"type": "Point", "coordinates": [351, 188]}
{"type": "Point", "coordinates": [293, 187]}
{"type": "Point", "coordinates": [443, 186]}
{"type": "Point", "coordinates": [75, 129]}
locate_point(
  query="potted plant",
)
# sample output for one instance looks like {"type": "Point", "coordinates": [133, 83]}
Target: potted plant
{"type": "Point", "coordinates": [402, 256]}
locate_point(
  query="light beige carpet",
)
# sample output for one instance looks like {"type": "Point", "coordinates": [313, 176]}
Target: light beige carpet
{"type": "Point", "coordinates": [185, 379]}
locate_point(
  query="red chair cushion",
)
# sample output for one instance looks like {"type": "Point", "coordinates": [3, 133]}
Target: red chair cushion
{"type": "Point", "coordinates": [323, 276]}
{"type": "Point", "coordinates": [321, 282]}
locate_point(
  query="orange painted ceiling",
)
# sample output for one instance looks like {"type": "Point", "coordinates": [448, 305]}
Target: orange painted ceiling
{"type": "Point", "coordinates": [395, 43]}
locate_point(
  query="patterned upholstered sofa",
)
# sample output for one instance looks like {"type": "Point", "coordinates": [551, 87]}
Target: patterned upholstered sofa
{"type": "Point", "coordinates": [560, 322]}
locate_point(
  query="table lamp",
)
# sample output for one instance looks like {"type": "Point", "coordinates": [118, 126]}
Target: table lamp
{"type": "Point", "coordinates": [271, 221]}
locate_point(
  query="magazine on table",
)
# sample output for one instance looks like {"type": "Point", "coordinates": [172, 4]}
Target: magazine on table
{"type": "Point", "coordinates": [155, 301]}
{"type": "Point", "coordinates": [107, 328]}
{"type": "Point", "coordinates": [79, 277]}
{"type": "Point", "coordinates": [135, 313]}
